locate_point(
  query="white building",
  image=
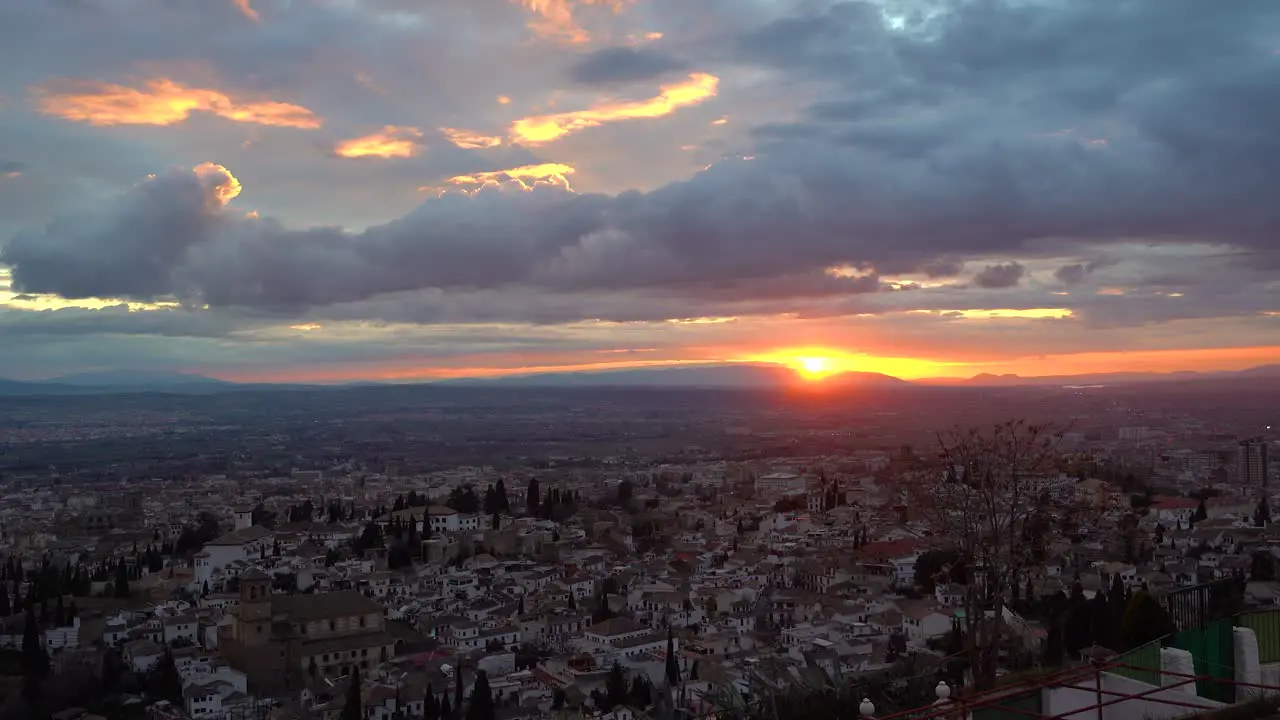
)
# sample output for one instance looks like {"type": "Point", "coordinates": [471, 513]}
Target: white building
{"type": "Point", "coordinates": [63, 638]}
{"type": "Point", "coordinates": [142, 655]}
{"type": "Point", "coordinates": [238, 545]}
{"type": "Point", "coordinates": [242, 516]}
{"type": "Point", "coordinates": [614, 631]}
{"type": "Point", "coordinates": [920, 623]}
{"type": "Point", "coordinates": [779, 483]}
{"type": "Point", "coordinates": [181, 627]}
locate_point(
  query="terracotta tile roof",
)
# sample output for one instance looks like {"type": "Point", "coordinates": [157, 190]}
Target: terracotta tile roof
{"type": "Point", "coordinates": [322, 606]}
{"type": "Point", "coordinates": [347, 643]}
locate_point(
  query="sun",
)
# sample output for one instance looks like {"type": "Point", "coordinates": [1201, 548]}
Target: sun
{"type": "Point", "coordinates": [814, 367]}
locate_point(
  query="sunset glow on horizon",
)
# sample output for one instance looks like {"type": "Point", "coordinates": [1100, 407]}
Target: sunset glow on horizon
{"type": "Point", "coordinates": [811, 365]}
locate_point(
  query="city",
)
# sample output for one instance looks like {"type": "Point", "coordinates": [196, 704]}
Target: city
{"type": "Point", "coordinates": [683, 553]}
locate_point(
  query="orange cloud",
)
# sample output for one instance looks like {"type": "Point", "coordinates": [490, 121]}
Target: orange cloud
{"type": "Point", "coordinates": [160, 102]}
{"type": "Point", "coordinates": [470, 140]}
{"type": "Point", "coordinates": [555, 19]}
{"type": "Point", "coordinates": [526, 177]}
{"type": "Point", "coordinates": [392, 141]}
{"type": "Point", "coordinates": [247, 10]}
{"type": "Point", "coordinates": [546, 128]}
{"type": "Point", "coordinates": [225, 185]}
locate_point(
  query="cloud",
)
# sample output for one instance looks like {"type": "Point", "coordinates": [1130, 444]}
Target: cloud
{"type": "Point", "coordinates": [1075, 273]}
{"type": "Point", "coordinates": [392, 141]}
{"type": "Point", "coordinates": [218, 181]}
{"type": "Point", "coordinates": [468, 140]}
{"type": "Point", "coordinates": [150, 235]}
{"type": "Point", "coordinates": [1000, 276]}
{"type": "Point", "coordinates": [555, 20]}
{"type": "Point", "coordinates": [623, 65]}
{"type": "Point", "coordinates": [942, 268]}
{"type": "Point", "coordinates": [161, 102]}
{"type": "Point", "coordinates": [1071, 274]}
{"type": "Point", "coordinates": [543, 129]}
{"type": "Point", "coordinates": [11, 168]}
{"type": "Point", "coordinates": [526, 177]}
{"type": "Point", "coordinates": [247, 10]}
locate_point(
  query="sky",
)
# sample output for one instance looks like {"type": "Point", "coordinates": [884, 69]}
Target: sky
{"type": "Point", "coordinates": [336, 190]}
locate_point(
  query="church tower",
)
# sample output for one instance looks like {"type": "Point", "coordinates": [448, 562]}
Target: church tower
{"type": "Point", "coordinates": [254, 623]}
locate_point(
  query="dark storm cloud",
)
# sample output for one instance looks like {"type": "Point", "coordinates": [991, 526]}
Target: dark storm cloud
{"type": "Point", "coordinates": [623, 65]}
{"type": "Point", "coordinates": [1071, 274]}
{"type": "Point", "coordinates": [1076, 273]}
{"type": "Point", "coordinates": [1004, 275]}
{"type": "Point", "coordinates": [130, 252]}
{"type": "Point", "coordinates": [942, 268]}
{"type": "Point", "coordinates": [967, 136]}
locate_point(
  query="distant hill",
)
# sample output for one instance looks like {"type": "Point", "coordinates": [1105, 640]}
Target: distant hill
{"type": "Point", "coordinates": [130, 381]}
{"type": "Point", "coordinates": [17, 387]}
{"type": "Point", "coordinates": [740, 375]}
{"type": "Point", "coordinates": [1118, 378]}
{"type": "Point", "coordinates": [134, 378]}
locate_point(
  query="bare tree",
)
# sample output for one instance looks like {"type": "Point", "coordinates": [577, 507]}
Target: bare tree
{"type": "Point", "coordinates": [993, 494]}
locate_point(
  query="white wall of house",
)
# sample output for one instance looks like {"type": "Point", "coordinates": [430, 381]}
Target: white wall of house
{"type": "Point", "coordinates": [930, 626]}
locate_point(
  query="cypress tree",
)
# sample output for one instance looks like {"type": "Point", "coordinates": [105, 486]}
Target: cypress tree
{"type": "Point", "coordinates": [673, 668]}
{"type": "Point", "coordinates": [353, 709]}
{"type": "Point", "coordinates": [481, 707]}
{"type": "Point", "coordinates": [122, 580]}
{"type": "Point", "coordinates": [639, 696]}
{"type": "Point", "coordinates": [615, 686]}
{"type": "Point", "coordinates": [430, 707]}
{"type": "Point", "coordinates": [504, 503]}
{"type": "Point", "coordinates": [457, 688]}
{"type": "Point", "coordinates": [169, 680]}
{"type": "Point", "coordinates": [35, 660]}
{"type": "Point", "coordinates": [531, 499]}
{"type": "Point", "coordinates": [1262, 514]}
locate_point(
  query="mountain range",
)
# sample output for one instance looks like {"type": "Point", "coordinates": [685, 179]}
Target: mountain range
{"type": "Point", "coordinates": [728, 376]}
{"type": "Point", "coordinates": [737, 375]}
{"type": "Point", "coordinates": [1117, 378]}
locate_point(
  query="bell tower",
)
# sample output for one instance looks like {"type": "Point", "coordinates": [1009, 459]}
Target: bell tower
{"type": "Point", "coordinates": [254, 624]}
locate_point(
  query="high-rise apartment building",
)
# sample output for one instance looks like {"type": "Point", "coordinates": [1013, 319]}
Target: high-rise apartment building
{"type": "Point", "coordinates": [1251, 465]}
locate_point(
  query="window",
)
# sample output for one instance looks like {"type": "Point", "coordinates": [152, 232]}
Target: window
{"type": "Point", "coordinates": [332, 626]}
{"type": "Point", "coordinates": [362, 620]}
{"type": "Point", "coordinates": [364, 652]}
